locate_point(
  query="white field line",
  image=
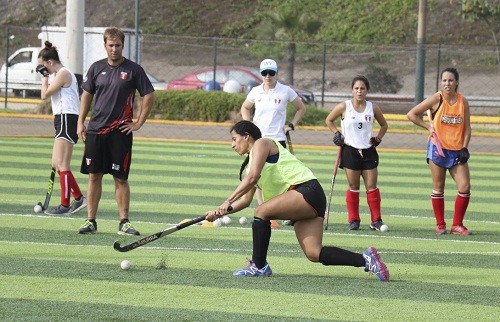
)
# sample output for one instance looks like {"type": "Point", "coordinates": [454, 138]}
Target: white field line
{"type": "Point", "coordinates": [382, 235]}
{"type": "Point", "coordinates": [236, 250]}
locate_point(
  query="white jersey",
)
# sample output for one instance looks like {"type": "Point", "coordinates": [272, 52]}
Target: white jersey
{"type": "Point", "coordinates": [66, 99]}
{"type": "Point", "coordinates": [357, 127]}
{"type": "Point", "coordinates": [270, 109]}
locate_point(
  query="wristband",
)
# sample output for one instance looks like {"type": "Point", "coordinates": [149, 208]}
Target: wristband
{"type": "Point", "coordinates": [291, 126]}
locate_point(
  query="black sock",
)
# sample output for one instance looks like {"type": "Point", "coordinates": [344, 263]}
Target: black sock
{"type": "Point", "coordinates": [261, 231]}
{"type": "Point", "coordinates": [338, 256]}
{"type": "Point", "coordinates": [124, 221]}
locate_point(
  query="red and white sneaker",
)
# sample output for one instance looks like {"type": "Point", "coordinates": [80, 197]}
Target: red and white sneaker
{"type": "Point", "coordinates": [460, 230]}
{"type": "Point", "coordinates": [440, 229]}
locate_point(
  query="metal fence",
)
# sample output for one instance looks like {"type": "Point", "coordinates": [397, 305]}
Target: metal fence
{"type": "Point", "coordinates": [327, 69]}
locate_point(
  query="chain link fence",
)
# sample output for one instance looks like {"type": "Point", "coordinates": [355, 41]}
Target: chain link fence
{"type": "Point", "coordinates": [325, 69]}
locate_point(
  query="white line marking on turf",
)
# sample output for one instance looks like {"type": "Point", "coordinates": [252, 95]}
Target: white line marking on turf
{"type": "Point", "coordinates": [382, 235]}
{"type": "Point", "coordinates": [236, 250]}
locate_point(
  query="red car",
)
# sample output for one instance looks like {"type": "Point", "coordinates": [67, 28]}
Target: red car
{"type": "Point", "coordinates": [246, 77]}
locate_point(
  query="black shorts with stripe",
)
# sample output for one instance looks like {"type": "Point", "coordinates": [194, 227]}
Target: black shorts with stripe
{"type": "Point", "coordinates": [358, 159]}
{"type": "Point", "coordinates": [108, 153]}
{"type": "Point", "coordinates": [65, 127]}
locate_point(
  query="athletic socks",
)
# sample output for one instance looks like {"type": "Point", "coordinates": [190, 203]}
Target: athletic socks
{"type": "Point", "coordinates": [352, 204]}
{"type": "Point", "coordinates": [68, 184]}
{"type": "Point", "coordinates": [374, 200]}
{"type": "Point", "coordinates": [338, 256]}
{"type": "Point", "coordinates": [438, 207]}
{"type": "Point", "coordinates": [261, 231]}
{"type": "Point", "coordinates": [461, 204]}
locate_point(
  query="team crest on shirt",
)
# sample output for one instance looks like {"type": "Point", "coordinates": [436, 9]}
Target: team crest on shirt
{"type": "Point", "coordinates": [277, 101]}
{"type": "Point", "coordinates": [123, 75]}
{"type": "Point", "coordinates": [368, 118]}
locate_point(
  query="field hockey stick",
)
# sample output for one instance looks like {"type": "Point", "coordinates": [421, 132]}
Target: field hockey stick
{"type": "Point", "coordinates": [164, 232]}
{"type": "Point", "coordinates": [289, 142]}
{"type": "Point", "coordinates": [435, 137]}
{"type": "Point", "coordinates": [335, 168]}
{"type": "Point", "coordinates": [45, 204]}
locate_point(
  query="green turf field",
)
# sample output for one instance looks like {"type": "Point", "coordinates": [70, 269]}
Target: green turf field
{"type": "Point", "coordinates": [49, 272]}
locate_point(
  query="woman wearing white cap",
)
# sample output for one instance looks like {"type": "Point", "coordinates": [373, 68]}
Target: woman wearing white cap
{"type": "Point", "coordinates": [270, 100]}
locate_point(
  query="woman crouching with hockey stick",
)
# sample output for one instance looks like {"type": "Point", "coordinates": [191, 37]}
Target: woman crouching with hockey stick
{"type": "Point", "coordinates": [290, 192]}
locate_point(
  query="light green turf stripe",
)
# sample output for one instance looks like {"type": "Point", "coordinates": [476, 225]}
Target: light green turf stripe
{"type": "Point", "coordinates": [229, 300]}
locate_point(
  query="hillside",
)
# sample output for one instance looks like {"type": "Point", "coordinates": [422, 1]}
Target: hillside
{"type": "Point", "coordinates": [222, 18]}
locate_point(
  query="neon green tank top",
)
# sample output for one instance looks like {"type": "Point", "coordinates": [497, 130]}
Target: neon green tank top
{"type": "Point", "coordinates": [277, 178]}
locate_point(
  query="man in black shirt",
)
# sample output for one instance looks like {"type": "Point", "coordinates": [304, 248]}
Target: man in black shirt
{"type": "Point", "coordinates": [108, 138]}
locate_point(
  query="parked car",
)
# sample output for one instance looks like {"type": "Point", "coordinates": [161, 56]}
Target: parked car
{"type": "Point", "coordinates": [157, 85]}
{"type": "Point", "coordinates": [246, 77]}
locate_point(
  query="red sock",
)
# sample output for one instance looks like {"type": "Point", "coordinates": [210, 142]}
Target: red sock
{"type": "Point", "coordinates": [72, 186]}
{"type": "Point", "coordinates": [461, 203]}
{"type": "Point", "coordinates": [373, 198]}
{"type": "Point", "coordinates": [438, 207]}
{"type": "Point", "coordinates": [352, 203]}
{"type": "Point", "coordinates": [65, 189]}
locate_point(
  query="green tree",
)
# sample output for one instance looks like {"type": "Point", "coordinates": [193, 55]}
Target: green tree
{"type": "Point", "coordinates": [291, 25]}
{"type": "Point", "coordinates": [487, 11]}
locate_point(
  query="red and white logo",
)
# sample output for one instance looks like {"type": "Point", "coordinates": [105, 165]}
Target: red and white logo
{"type": "Point", "coordinates": [123, 75]}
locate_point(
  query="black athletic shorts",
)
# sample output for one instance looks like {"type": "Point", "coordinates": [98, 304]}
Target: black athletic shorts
{"type": "Point", "coordinates": [358, 159]}
{"type": "Point", "coordinates": [108, 153]}
{"type": "Point", "coordinates": [314, 195]}
{"type": "Point", "coordinates": [65, 127]}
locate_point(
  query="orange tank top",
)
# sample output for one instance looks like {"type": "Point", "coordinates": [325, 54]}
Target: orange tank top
{"type": "Point", "coordinates": [449, 123]}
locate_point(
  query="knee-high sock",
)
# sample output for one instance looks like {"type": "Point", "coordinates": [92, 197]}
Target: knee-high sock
{"type": "Point", "coordinates": [438, 207]}
{"type": "Point", "coordinates": [65, 188]}
{"type": "Point", "coordinates": [373, 198]}
{"type": "Point", "coordinates": [261, 231]}
{"type": "Point", "coordinates": [68, 184]}
{"type": "Point", "coordinates": [461, 204]}
{"type": "Point", "coordinates": [338, 256]}
{"type": "Point", "coordinates": [352, 204]}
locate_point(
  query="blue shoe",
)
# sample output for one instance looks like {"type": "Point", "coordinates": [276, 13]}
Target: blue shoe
{"type": "Point", "coordinates": [375, 225]}
{"type": "Point", "coordinates": [374, 264]}
{"type": "Point", "coordinates": [252, 271]}
{"type": "Point", "coordinates": [354, 225]}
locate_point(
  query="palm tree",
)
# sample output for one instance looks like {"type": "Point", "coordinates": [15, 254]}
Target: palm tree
{"type": "Point", "coordinates": [289, 24]}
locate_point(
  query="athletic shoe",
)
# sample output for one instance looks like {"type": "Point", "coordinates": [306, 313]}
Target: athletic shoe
{"type": "Point", "coordinates": [354, 225]}
{"type": "Point", "coordinates": [440, 229]}
{"type": "Point", "coordinates": [78, 204]}
{"type": "Point", "coordinates": [252, 271]}
{"type": "Point", "coordinates": [460, 230]}
{"type": "Point", "coordinates": [89, 227]}
{"type": "Point", "coordinates": [127, 229]}
{"type": "Point", "coordinates": [374, 264]}
{"type": "Point", "coordinates": [58, 210]}
{"type": "Point", "coordinates": [375, 225]}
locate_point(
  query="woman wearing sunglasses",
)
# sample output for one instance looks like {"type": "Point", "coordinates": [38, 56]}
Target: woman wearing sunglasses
{"type": "Point", "coordinates": [270, 100]}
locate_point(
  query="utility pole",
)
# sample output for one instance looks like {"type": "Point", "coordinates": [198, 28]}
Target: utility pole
{"type": "Point", "coordinates": [420, 64]}
{"type": "Point", "coordinates": [75, 17]}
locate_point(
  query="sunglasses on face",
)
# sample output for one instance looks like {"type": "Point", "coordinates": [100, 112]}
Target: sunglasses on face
{"type": "Point", "coordinates": [268, 72]}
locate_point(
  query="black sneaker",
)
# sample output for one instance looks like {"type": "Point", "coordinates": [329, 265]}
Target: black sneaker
{"type": "Point", "coordinates": [89, 227]}
{"type": "Point", "coordinates": [375, 225]}
{"type": "Point", "coordinates": [78, 204]}
{"type": "Point", "coordinates": [127, 229]}
{"type": "Point", "coordinates": [58, 210]}
{"type": "Point", "coordinates": [354, 225]}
